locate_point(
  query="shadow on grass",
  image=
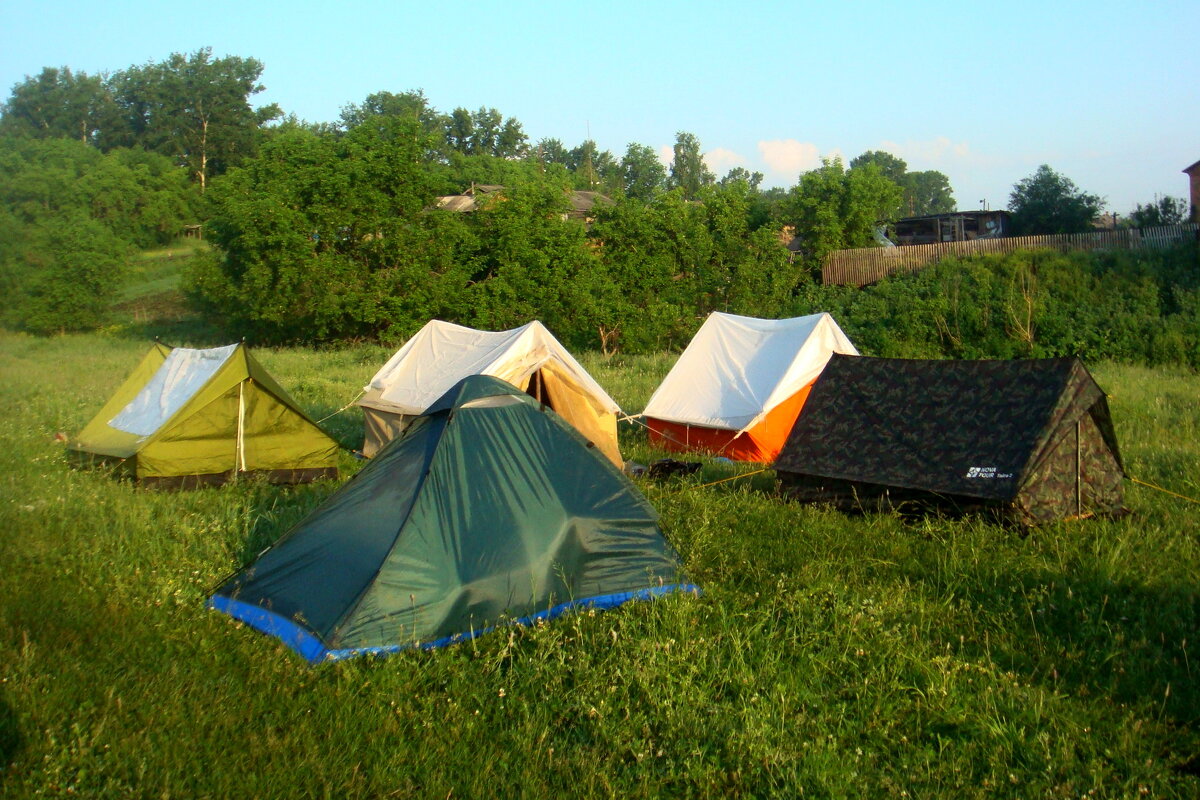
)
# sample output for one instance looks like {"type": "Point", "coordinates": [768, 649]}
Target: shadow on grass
{"type": "Point", "coordinates": [189, 330]}
{"type": "Point", "coordinates": [11, 741]}
{"type": "Point", "coordinates": [1081, 633]}
{"type": "Point", "coordinates": [344, 425]}
{"type": "Point", "coordinates": [276, 510]}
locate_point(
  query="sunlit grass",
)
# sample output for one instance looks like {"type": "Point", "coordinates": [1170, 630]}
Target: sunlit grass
{"type": "Point", "coordinates": [830, 655]}
{"type": "Point", "coordinates": [153, 272]}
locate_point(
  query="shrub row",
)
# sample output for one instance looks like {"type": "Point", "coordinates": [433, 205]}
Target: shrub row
{"type": "Point", "coordinates": [1135, 307]}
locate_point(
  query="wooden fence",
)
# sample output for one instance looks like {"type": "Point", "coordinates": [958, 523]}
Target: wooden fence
{"type": "Point", "coordinates": [870, 264]}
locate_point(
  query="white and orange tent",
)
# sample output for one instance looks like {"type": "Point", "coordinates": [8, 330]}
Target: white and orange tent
{"type": "Point", "coordinates": [738, 387]}
{"type": "Point", "coordinates": [529, 357]}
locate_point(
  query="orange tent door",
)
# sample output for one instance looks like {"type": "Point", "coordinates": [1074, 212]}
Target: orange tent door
{"type": "Point", "coordinates": [760, 443]}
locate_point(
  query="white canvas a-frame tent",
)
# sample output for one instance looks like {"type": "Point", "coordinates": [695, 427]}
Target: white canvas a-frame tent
{"type": "Point", "coordinates": [739, 385]}
{"type": "Point", "coordinates": [529, 357]}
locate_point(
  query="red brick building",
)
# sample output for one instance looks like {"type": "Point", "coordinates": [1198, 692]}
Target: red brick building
{"type": "Point", "coordinates": [1193, 172]}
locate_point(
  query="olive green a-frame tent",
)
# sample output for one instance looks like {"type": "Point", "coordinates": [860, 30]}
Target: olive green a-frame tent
{"type": "Point", "coordinates": [487, 508]}
{"type": "Point", "coordinates": [188, 417]}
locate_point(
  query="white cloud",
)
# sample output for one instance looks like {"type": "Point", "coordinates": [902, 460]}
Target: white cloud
{"type": "Point", "coordinates": [789, 156]}
{"type": "Point", "coordinates": [666, 154]}
{"type": "Point", "coordinates": [721, 160]}
{"type": "Point", "coordinates": [937, 153]}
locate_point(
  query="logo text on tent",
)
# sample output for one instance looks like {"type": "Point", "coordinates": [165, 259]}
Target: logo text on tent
{"type": "Point", "coordinates": [981, 472]}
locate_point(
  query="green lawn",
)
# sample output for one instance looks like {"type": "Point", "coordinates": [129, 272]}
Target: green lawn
{"type": "Point", "coordinates": [154, 272]}
{"type": "Point", "coordinates": [830, 655]}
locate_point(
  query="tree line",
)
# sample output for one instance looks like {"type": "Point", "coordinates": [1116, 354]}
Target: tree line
{"type": "Point", "coordinates": [333, 230]}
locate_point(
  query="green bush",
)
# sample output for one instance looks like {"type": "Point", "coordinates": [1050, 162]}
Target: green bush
{"type": "Point", "coordinates": [70, 215]}
{"type": "Point", "coordinates": [1136, 307]}
{"type": "Point", "coordinates": [81, 269]}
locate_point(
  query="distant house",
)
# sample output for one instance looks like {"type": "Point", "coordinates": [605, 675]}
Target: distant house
{"type": "Point", "coordinates": [961, 226]}
{"type": "Point", "coordinates": [582, 203]}
{"type": "Point", "coordinates": [466, 201]}
{"type": "Point", "coordinates": [1193, 173]}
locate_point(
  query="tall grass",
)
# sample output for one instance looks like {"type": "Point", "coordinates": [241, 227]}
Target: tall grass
{"type": "Point", "coordinates": [830, 655]}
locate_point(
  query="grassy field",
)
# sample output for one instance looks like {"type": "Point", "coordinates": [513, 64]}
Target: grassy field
{"type": "Point", "coordinates": [830, 655]}
{"type": "Point", "coordinates": [152, 302]}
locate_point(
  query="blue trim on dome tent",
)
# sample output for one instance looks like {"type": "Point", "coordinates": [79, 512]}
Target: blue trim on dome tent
{"type": "Point", "coordinates": [291, 633]}
{"type": "Point", "coordinates": [488, 507]}
{"type": "Point", "coordinates": [310, 647]}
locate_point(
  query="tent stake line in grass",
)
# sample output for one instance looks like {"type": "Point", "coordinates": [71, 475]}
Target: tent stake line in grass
{"type": "Point", "coordinates": [189, 417]}
{"type": "Point", "coordinates": [488, 508]}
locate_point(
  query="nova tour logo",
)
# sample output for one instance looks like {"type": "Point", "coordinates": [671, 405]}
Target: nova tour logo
{"type": "Point", "coordinates": [986, 473]}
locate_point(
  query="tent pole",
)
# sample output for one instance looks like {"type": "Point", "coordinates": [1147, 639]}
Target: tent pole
{"type": "Point", "coordinates": [240, 466]}
{"type": "Point", "coordinates": [1079, 489]}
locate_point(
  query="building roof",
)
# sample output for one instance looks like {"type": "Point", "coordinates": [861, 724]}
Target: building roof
{"type": "Point", "coordinates": [953, 214]}
{"type": "Point", "coordinates": [581, 202]}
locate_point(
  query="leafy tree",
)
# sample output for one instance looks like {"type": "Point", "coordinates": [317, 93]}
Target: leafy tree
{"type": "Point", "coordinates": [1163, 211]}
{"type": "Point", "coordinates": [748, 262]}
{"type": "Point", "coordinates": [511, 142]}
{"type": "Point", "coordinates": [140, 197]}
{"type": "Point", "coordinates": [485, 132]}
{"type": "Point", "coordinates": [582, 162]}
{"type": "Point", "coordinates": [927, 192]}
{"type": "Point", "coordinates": [833, 208]}
{"type": "Point", "coordinates": [63, 253]}
{"type": "Point", "coordinates": [461, 171]}
{"type": "Point", "coordinates": [891, 167]}
{"type": "Point", "coordinates": [648, 254]}
{"type": "Point", "coordinates": [459, 130]}
{"type": "Point", "coordinates": [643, 174]}
{"type": "Point", "coordinates": [688, 170]}
{"type": "Point", "coordinates": [666, 265]}
{"type": "Point", "coordinates": [743, 175]}
{"type": "Point", "coordinates": [81, 265]}
{"type": "Point", "coordinates": [60, 103]}
{"type": "Point", "coordinates": [406, 104]}
{"type": "Point", "coordinates": [924, 193]}
{"type": "Point", "coordinates": [486, 124]}
{"type": "Point", "coordinates": [594, 170]}
{"type": "Point", "coordinates": [1138, 306]}
{"type": "Point", "coordinates": [1048, 202]}
{"type": "Point", "coordinates": [195, 109]}
{"type": "Point", "coordinates": [325, 237]}
{"type": "Point", "coordinates": [552, 151]}
{"type": "Point", "coordinates": [530, 263]}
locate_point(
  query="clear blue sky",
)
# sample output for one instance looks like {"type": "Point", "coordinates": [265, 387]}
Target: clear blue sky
{"type": "Point", "coordinates": [1107, 93]}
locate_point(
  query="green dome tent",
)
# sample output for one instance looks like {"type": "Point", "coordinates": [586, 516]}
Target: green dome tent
{"type": "Point", "coordinates": [189, 417]}
{"type": "Point", "coordinates": [488, 507]}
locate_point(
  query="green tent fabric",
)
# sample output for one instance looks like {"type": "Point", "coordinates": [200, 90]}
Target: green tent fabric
{"type": "Point", "coordinates": [488, 508]}
{"type": "Point", "coordinates": [189, 417]}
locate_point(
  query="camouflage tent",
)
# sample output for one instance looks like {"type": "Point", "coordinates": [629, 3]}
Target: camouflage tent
{"type": "Point", "coordinates": [1030, 440]}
